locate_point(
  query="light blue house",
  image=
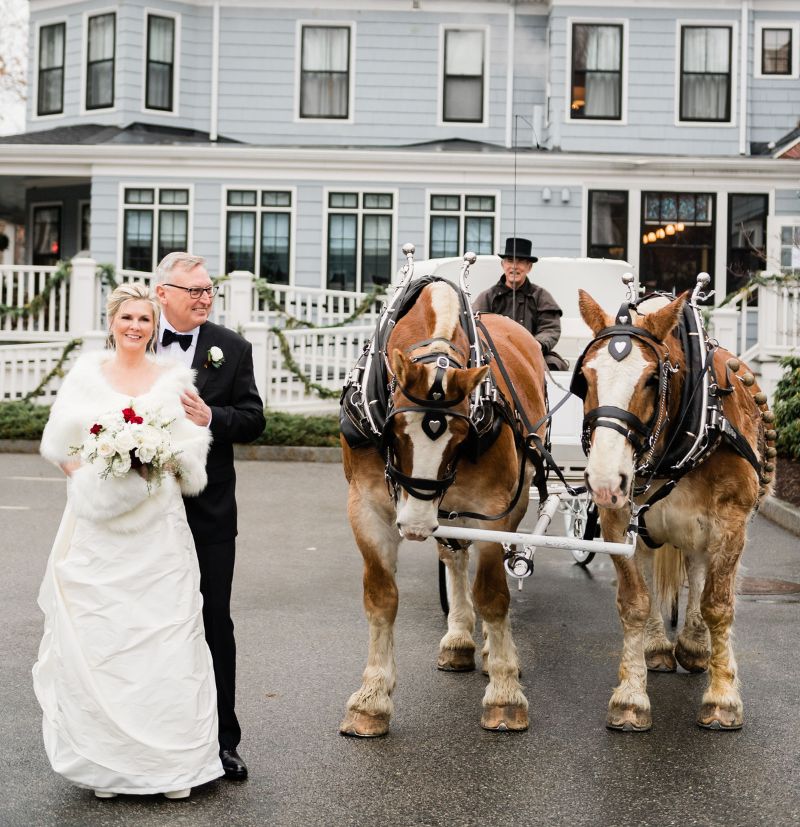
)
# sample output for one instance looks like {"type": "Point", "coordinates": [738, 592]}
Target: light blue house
{"type": "Point", "coordinates": [306, 143]}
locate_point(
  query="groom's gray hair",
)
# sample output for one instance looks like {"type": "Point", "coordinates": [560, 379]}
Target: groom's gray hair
{"type": "Point", "coordinates": [176, 261]}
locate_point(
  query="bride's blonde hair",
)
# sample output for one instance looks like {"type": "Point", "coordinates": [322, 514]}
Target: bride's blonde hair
{"type": "Point", "coordinates": [132, 291]}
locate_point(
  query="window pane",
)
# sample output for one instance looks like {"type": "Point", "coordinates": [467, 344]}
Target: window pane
{"type": "Point", "coordinates": [463, 53]}
{"type": "Point", "coordinates": [705, 76]}
{"type": "Point", "coordinates": [46, 235]}
{"type": "Point", "coordinates": [747, 229]}
{"type": "Point", "coordinates": [172, 231]}
{"type": "Point", "coordinates": [776, 52]}
{"type": "Point", "coordinates": [342, 252]}
{"type": "Point", "coordinates": [341, 200]}
{"type": "Point", "coordinates": [241, 198]}
{"type": "Point", "coordinates": [100, 85]}
{"type": "Point", "coordinates": [137, 251]}
{"type": "Point", "coordinates": [608, 231]}
{"type": "Point", "coordinates": [50, 99]}
{"type": "Point", "coordinates": [51, 46]}
{"type": "Point", "coordinates": [325, 66]}
{"type": "Point", "coordinates": [160, 62]}
{"type": "Point", "coordinates": [51, 92]}
{"type": "Point", "coordinates": [479, 203]}
{"type": "Point", "coordinates": [463, 76]}
{"type": "Point", "coordinates": [240, 250]}
{"type": "Point", "coordinates": [444, 236]}
{"type": "Point", "coordinates": [596, 71]}
{"type": "Point", "coordinates": [159, 86]}
{"type": "Point", "coordinates": [377, 201]}
{"type": "Point", "coordinates": [445, 202]}
{"type": "Point", "coordinates": [160, 38]}
{"type": "Point", "coordinates": [276, 199]}
{"type": "Point", "coordinates": [133, 196]}
{"type": "Point", "coordinates": [100, 62]}
{"type": "Point", "coordinates": [275, 247]}
{"type": "Point", "coordinates": [173, 197]}
{"type": "Point", "coordinates": [479, 234]}
{"type": "Point", "coordinates": [101, 37]}
{"type": "Point", "coordinates": [376, 254]}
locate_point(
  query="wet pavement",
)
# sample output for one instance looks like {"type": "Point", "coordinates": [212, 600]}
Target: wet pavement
{"type": "Point", "coordinates": [302, 646]}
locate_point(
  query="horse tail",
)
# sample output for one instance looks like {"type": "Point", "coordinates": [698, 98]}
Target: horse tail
{"type": "Point", "coordinates": [668, 574]}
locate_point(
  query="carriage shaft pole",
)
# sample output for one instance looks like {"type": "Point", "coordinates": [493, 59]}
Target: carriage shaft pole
{"type": "Point", "coordinates": [519, 538]}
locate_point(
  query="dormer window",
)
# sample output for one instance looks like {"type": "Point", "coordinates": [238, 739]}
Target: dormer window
{"type": "Point", "coordinates": [160, 81]}
{"type": "Point", "coordinates": [50, 90]}
{"type": "Point", "coordinates": [100, 61]}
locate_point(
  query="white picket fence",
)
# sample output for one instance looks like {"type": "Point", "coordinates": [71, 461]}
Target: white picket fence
{"type": "Point", "coordinates": [18, 286]}
{"type": "Point", "coordinates": [23, 366]}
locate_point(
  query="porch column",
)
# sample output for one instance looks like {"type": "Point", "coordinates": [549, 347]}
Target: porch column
{"type": "Point", "coordinates": [82, 296]}
{"type": "Point", "coordinates": [238, 299]}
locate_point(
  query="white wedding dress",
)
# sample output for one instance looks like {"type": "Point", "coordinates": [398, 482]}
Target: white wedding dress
{"type": "Point", "coordinates": [124, 675]}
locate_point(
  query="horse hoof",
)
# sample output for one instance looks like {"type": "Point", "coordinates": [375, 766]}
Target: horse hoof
{"type": "Point", "coordinates": [692, 661]}
{"type": "Point", "coordinates": [362, 725]}
{"type": "Point", "coordinates": [719, 718]}
{"type": "Point", "coordinates": [629, 719]}
{"type": "Point", "coordinates": [661, 661]}
{"type": "Point", "coordinates": [456, 660]}
{"type": "Point", "coordinates": [505, 718]}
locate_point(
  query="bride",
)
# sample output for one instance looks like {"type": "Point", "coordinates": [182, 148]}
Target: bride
{"type": "Point", "coordinates": [124, 675]}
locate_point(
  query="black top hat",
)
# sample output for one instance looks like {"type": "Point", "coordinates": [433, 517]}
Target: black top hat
{"type": "Point", "coordinates": [518, 248]}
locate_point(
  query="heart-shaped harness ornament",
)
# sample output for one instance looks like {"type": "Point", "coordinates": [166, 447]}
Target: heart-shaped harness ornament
{"type": "Point", "coordinates": [620, 347]}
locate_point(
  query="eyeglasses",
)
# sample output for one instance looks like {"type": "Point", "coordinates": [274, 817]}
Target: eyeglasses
{"type": "Point", "coordinates": [196, 292]}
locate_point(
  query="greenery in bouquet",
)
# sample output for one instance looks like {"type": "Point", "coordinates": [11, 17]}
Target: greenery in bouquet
{"type": "Point", "coordinates": [121, 441]}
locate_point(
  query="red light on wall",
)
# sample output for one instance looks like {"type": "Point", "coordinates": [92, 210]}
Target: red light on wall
{"type": "Point", "coordinates": [54, 247]}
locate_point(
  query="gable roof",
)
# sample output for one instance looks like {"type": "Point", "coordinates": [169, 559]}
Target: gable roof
{"type": "Point", "coordinates": [134, 133]}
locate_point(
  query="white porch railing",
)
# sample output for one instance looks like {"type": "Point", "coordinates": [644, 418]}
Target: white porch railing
{"type": "Point", "coordinates": [19, 284]}
{"type": "Point", "coordinates": [23, 366]}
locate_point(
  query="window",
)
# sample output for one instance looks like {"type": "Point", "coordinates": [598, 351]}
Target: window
{"type": "Point", "coordinates": [457, 217]}
{"type": "Point", "coordinates": [705, 84]}
{"type": "Point", "coordinates": [463, 84]}
{"type": "Point", "coordinates": [677, 239]}
{"type": "Point", "coordinates": [776, 51]}
{"type": "Point", "coordinates": [100, 61]}
{"type": "Point", "coordinates": [359, 240]}
{"type": "Point", "coordinates": [596, 72]}
{"type": "Point", "coordinates": [46, 234]}
{"type": "Point", "coordinates": [747, 238]}
{"type": "Point", "coordinates": [160, 73]}
{"type": "Point", "coordinates": [325, 72]}
{"type": "Point", "coordinates": [50, 92]}
{"type": "Point", "coordinates": [790, 249]}
{"type": "Point", "coordinates": [608, 224]}
{"type": "Point", "coordinates": [258, 233]}
{"type": "Point", "coordinates": [155, 222]}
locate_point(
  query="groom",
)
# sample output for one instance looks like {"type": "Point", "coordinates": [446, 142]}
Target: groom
{"type": "Point", "coordinates": [227, 402]}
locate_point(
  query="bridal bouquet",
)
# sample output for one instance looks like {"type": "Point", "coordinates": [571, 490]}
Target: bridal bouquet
{"type": "Point", "coordinates": [123, 440]}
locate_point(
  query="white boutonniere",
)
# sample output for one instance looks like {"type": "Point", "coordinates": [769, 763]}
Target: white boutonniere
{"type": "Point", "coordinates": [215, 357]}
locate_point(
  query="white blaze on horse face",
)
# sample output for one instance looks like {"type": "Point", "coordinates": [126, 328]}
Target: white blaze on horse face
{"type": "Point", "coordinates": [609, 471]}
{"type": "Point", "coordinates": [418, 519]}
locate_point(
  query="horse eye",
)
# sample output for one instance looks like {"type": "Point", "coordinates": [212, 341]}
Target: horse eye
{"type": "Point", "coordinates": [652, 381]}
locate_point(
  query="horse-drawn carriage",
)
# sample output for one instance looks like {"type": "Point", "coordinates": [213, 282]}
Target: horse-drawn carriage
{"type": "Point", "coordinates": [446, 426]}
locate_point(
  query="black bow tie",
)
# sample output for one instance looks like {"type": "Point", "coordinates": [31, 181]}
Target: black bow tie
{"type": "Point", "coordinates": [183, 339]}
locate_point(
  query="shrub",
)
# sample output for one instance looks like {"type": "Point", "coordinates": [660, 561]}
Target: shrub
{"type": "Point", "coordinates": [22, 420]}
{"type": "Point", "coordinates": [787, 409]}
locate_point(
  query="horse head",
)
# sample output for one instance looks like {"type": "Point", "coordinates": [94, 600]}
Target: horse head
{"type": "Point", "coordinates": [623, 376]}
{"type": "Point", "coordinates": [428, 422]}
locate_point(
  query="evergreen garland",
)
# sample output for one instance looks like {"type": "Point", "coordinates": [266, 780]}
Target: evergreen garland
{"type": "Point", "coordinates": [56, 370]}
{"type": "Point", "coordinates": [292, 366]}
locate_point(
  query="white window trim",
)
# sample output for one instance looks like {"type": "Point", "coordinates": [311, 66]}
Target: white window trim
{"type": "Point", "coordinates": [360, 212]}
{"type": "Point", "coordinates": [82, 202]}
{"type": "Point", "coordinates": [758, 40]}
{"type": "Point", "coordinates": [462, 213]}
{"type": "Point", "coordinates": [85, 55]}
{"type": "Point", "coordinates": [35, 205]}
{"type": "Point", "coordinates": [43, 24]}
{"type": "Point", "coordinates": [440, 121]}
{"type": "Point", "coordinates": [155, 206]}
{"type": "Point", "coordinates": [597, 21]}
{"type": "Point", "coordinates": [176, 65]}
{"type": "Point", "coordinates": [733, 25]}
{"type": "Point", "coordinates": [774, 225]}
{"type": "Point", "coordinates": [351, 70]}
{"type": "Point", "coordinates": [259, 209]}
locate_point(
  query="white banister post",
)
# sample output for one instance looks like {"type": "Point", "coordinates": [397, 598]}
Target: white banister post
{"type": "Point", "coordinates": [725, 322]}
{"type": "Point", "coordinates": [82, 292]}
{"type": "Point", "coordinates": [257, 333]}
{"type": "Point", "coordinates": [93, 340]}
{"type": "Point", "coordinates": [238, 299]}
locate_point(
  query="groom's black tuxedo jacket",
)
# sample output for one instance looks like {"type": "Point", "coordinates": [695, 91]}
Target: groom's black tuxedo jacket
{"type": "Point", "coordinates": [237, 415]}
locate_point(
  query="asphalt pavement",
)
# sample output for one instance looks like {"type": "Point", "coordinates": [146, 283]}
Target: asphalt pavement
{"type": "Point", "coordinates": [302, 641]}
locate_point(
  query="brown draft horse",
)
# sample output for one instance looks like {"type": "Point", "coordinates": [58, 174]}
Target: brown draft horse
{"type": "Point", "coordinates": [486, 486]}
{"type": "Point", "coordinates": [702, 520]}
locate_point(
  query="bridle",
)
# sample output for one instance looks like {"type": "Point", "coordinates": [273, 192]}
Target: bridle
{"type": "Point", "coordinates": [435, 409]}
{"type": "Point", "coordinates": [642, 436]}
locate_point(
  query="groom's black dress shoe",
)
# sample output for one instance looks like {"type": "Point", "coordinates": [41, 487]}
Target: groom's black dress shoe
{"type": "Point", "coordinates": [233, 765]}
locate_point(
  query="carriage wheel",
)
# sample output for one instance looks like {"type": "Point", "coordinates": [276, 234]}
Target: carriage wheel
{"type": "Point", "coordinates": [584, 523]}
{"type": "Point", "coordinates": [444, 588]}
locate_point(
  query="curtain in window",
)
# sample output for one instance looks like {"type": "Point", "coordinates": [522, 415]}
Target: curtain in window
{"type": "Point", "coordinates": [376, 258]}
{"type": "Point", "coordinates": [100, 69]}
{"type": "Point", "coordinates": [480, 235]}
{"type": "Point", "coordinates": [706, 63]}
{"type": "Point", "coordinates": [342, 252]}
{"type": "Point", "coordinates": [602, 71]}
{"type": "Point", "coordinates": [138, 246]}
{"type": "Point", "coordinates": [444, 237]}
{"type": "Point", "coordinates": [160, 59]}
{"type": "Point", "coordinates": [325, 81]}
{"type": "Point", "coordinates": [241, 252]}
{"type": "Point", "coordinates": [275, 247]}
{"type": "Point", "coordinates": [463, 76]}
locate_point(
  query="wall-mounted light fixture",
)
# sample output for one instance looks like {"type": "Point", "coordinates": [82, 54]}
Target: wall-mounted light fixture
{"type": "Point", "coordinates": [546, 194]}
{"type": "Point", "coordinates": [565, 194]}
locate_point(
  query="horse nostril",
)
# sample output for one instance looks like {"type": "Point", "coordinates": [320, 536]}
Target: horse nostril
{"type": "Point", "coordinates": [614, 498]}
{"type": "Point", "coordinates": [623, 482]}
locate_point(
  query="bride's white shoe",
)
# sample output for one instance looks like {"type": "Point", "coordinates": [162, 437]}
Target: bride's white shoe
{"type": "Point", "coordinates": [179, 793]}
{"type": "Point", "coordinates": [104, 794]}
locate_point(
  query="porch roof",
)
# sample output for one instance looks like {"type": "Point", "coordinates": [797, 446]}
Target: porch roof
{"type": "Point", "coordinates": [134, 133]}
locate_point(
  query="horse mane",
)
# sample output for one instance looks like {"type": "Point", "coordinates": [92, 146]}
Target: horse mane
{"type": "Point", "coordinates": [445, 306]}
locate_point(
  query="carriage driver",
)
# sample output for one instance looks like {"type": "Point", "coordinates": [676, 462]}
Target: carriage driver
{"type": "Point", "coordinates": [530, 305]}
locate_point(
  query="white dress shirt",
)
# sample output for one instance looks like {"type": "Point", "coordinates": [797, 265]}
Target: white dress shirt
{"type": "Point", "coordinates": [174, 350]}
